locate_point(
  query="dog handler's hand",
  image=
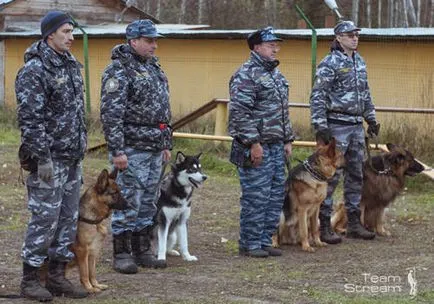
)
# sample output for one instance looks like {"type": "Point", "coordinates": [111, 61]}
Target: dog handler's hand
{"type": "Point", "coordinates": [373, 129]}
{"type": "Point", "coordinates": [166, 155]}
{"type": "Point", "coordinates": [256, 153]}
{"type": "Point", "coordinates": [120, 162]}
{"type": "Point", "coordinates": [46, 170]}
{"type": "Point", "coordinates": [288, 149]}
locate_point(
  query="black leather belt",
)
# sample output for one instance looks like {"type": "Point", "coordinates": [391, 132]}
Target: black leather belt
{"type": "Point", "coordinates": [343, 122]}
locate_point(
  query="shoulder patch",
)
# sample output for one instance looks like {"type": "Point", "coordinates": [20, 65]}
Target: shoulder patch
{"type": "Point", "coordinates": [111, 85]}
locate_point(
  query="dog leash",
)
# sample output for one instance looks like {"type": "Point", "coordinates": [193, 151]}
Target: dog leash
{"type": "Point", "coordinates": [288, 164]}
{"type": "Point", "coordinates": [368, 152]}
{"type": "Point", "coordinates": [136, 177]}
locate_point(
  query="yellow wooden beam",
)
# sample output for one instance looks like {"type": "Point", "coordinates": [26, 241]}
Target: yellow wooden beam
{"type": "Point", "coordinates": [428, 170]}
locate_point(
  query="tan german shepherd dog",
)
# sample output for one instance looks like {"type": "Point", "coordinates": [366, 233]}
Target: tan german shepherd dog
{"type": "Point", "coordinates": [96, 205]}
{"type": "Point", "coordinates": [306, 188]}
{"type": "Point", "coordinates": [382, 183]}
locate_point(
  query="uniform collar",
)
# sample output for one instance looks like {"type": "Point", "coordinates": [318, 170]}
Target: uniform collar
{"type": "Point", "coordinates": [267, 64]}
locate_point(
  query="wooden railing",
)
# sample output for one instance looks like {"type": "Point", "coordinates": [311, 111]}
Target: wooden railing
{"type": "Point", "coordinates": [221, 121]}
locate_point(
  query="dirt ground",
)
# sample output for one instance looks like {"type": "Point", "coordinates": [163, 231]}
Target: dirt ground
{"type": "Point", "coordinates": [355, 271]}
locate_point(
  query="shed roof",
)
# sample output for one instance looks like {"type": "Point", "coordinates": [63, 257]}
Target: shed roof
{"type": "Point", "coordinates": [4, 3]}
{"type": "Point", "coordinates": [187, 31]}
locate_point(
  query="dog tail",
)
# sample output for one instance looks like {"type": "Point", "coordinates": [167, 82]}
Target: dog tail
{"type": "Point", "coordinates": [287, 205]}
{"type": "Point", "coordinates": [339, 218]}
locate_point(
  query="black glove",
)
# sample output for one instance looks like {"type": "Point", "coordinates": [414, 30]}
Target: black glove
{"type": "Point", "coordinates": [324, 136]}
{"type": "Point", "coordinates": [373, 129]}
{"type": "Point", "coordinates": [46, 170]}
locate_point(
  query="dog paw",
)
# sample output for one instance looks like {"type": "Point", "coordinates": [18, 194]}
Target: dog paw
{"type": "Point", "coordinates": [101, 286]}
{"type": "Point", "coordinates": [93, 289]}
{"type": "Point", "coordinates": [319, 243]}
{"type": "Point", "coordinates": [190, 258]}
{"type": "Point", "coordinates": [173, 252]}
{"type": "Point", "coordinates": [308, 248]}
{"type": "Point", "coordinates": [384, 233]}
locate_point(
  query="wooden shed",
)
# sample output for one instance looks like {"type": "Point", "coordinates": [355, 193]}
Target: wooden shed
{"type": "Point", "coordinates": [16, 15]}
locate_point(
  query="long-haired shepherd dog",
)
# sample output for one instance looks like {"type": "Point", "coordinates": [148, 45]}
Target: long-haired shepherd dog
{"type": "Point", "coordinates": [174, 207]}
{"type": "Point", "coordinates": [382, 183]}
{"type": "Point", "coordinates": [96, 205]}
{"type": "Point", "coordinates": [306, 188]}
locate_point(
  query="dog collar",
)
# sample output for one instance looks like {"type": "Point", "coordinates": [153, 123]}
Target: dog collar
{"type": "Point", "coordinates": [315, 173]}
{"type": "Point", "coordinates": [92, 222]}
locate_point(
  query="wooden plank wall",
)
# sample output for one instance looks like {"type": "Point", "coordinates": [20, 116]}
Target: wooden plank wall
{"type": "Point", "coordinates": [29, 13]}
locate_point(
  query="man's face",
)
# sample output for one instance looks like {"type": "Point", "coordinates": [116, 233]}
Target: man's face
{"type": "Point", "coordinates": [61, 40]}
{"type": "Point", "coordinates": [268, 50]}
{"type": "Point", "coordinates": [349, 41]}
{"type": "Point", "coordinates": [144, 46]}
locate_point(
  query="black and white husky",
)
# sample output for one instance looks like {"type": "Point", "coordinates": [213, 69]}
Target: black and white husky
{"type": "Point", "coordinates": [174, 207]}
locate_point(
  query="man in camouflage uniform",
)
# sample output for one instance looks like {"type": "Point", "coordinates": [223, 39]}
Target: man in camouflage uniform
{"type": "Point", "coordinates": [135, 113]}
{"type": "Point", "coordinates": [49, 90]}
{"type": "Point", "coordinates": [259, 123]}
{"type": "Point", "coordinates": [340, 100]}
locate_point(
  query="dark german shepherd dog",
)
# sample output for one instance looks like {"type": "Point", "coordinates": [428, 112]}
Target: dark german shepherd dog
{"type": "Point", "coordinates": [96, 205]}
{"type": "Point", "coordinates": [306, 188]}
{"type": "Point", "coordinates": [381, 185]}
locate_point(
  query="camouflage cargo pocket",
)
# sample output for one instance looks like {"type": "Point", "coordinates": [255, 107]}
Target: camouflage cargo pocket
{"type": "Point", "coordinates": [240, 155]}
{"type": "Point", "coordinates": [27, 161]}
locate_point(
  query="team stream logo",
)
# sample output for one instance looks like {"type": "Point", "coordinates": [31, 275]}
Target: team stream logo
{"type": "Point", "coordinates": [378, 284]}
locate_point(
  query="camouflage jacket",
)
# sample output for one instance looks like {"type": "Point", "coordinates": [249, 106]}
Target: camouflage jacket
{"type": "Point", "coordinates": [258, 108]}
{"type": "Point", "coordinates": [49, 91]}
{"type": "Point", "coordinates": [135, 109]}
{"type": "Point", "coordinates": [340, 91]}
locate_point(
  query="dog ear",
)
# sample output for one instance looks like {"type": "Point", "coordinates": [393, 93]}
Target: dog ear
{"type": "Point", "coordinates": [331, 148]}
{"type": "Point", "coordinates": [180, 157]}
{"type": "Point", "coordinates": [114, 173]}
{"type": "Point", "coordinates": [391, 147]}
{"type": "Point", "coordinates": [102, 182]}
{"type": "Point", "coordinates": [199, 155]}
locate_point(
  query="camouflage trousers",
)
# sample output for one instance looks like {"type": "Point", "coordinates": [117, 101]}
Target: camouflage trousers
{"type": "Point", "coordinates": [139, 186]}
{"type": "Point", "coordinates": [54, 206]}
{"type": "Point", "coordinates": [262, 194]}
{"type": "Point", "coordinates": [351, 141]}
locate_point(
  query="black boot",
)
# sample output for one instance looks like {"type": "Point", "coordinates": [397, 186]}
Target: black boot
{"type": "Point", "coordinates": [123, 261]}
{"type": "Point", "coordinates": [327, 235]}
{"type": "Point", "coordinates": [31, 286]}
{"type": "Point", "coordinates": [355, 229]}
{"type": "Point", "coordinates": [58, 285]}
{"type": "Point", "coordinates": [142, 249]}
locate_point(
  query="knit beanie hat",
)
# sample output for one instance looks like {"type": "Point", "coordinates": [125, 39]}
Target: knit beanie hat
{"type": "Point", "coordinates": [52, 21]}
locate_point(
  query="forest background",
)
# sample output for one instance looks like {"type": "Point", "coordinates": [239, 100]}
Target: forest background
{"type": "Point", "coordinates": [236, 14]}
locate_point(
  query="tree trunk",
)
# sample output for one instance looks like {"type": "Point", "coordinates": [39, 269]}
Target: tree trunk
{"type": "Point", "coordinates": [390, 5]}
{"type": "Point", "coordinates": [405, 13]}
{"type": "Point", "coordinates": [148, 6]}
{"type": "Point", "coordinates": [379, 14]}
{"type": "Point", "coordinates": [418, 14]}
{"type": "Point", "coordinates": [201, 12]}
{"type": "Point", "coordinates": [158, 10]}
{"type": "Point", "coordinates": [411, 12]}
{"type": "Point", "coordinates": [431, 15]}
{"type": "Point", "coordinates": [368, 13]}
{"type": "Point", "coordinates": [267, 11]}
{"type": "Point", "coordinates": [355, 11]}
{"type": "Point", "coordinates": [274, 12]}
{"type": "Point", "coordinates": [396, 14]}
{"type": "Point", "coordinates": [182, 11]}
